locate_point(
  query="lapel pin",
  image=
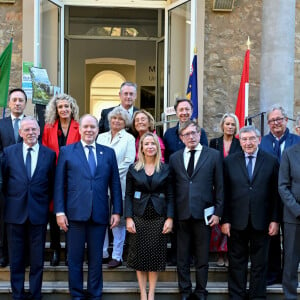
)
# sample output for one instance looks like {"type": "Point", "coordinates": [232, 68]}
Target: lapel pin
{"type": "Point", "coordinates": [101, 152]}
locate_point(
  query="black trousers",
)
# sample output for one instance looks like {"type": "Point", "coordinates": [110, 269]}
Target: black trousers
{"type": "Point", "coordinates": [54, 233]}
{"type": "Point", "coordinates": [193, 236]}
{"type": "Point", "coordinates": [241, 244]}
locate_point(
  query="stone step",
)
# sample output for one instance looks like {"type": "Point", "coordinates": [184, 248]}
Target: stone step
{"type": "Point", "coordinates": [122, 274]}
{"type": "Point", "coordinates": [130, 291]}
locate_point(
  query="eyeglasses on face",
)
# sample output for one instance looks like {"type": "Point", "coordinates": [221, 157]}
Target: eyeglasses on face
{"type": "Point", "coordinates": [250, 139]}
{"type": "Point", "coordinates": [191, 133]}
{"type": "Point", "coordinates": [277, 120]}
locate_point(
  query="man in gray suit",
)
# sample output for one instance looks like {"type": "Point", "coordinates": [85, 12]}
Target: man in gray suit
{"type": "Point", "coordinates": [196, 171]}
{"type": "Point", "coordinates": [289, 189]}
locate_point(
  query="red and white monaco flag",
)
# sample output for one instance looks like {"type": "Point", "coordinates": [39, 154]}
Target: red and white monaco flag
{"type": "Point", "coordinates": [241, 109]}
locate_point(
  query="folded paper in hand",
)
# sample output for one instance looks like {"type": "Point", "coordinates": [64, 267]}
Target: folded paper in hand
{"type": "Point", "coordinates": [208, 212]}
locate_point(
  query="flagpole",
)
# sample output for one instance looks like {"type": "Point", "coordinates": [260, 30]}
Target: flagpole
{"type": "Point", "coordinates": [247, 86]}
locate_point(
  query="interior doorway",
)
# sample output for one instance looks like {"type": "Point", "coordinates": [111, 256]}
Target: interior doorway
{"type": "Point", "coordinates": [104, 77]}
{"type": "Point", "coordinates": [104, 91]}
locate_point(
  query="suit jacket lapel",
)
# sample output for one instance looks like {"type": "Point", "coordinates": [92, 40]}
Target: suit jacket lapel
{"type": "Point", "coordinates": [20, 159]}
{"type": "Point", "coordinates": [10, 129]}
{"type": "Point", "coordinates": [99, 155]}
{"type": "Point", "coordinates": [81, 154]}
{"type": "Point", "coordinates": [202, 158]}
{"type": "Point", "coordinates": [258, 163]}
{"type": "Point", "coordinates": [40, 160]}
{"type": "Point", "coordinates": [242, 162]}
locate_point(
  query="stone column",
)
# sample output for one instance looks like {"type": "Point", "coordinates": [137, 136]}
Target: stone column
{"type": "Point", "coordinates": [277, 55]}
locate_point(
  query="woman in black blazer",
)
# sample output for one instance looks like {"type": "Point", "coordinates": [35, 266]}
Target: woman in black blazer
{"type": "Point", "coordinates": [149, 212]}
{"type": "Point", "coordinates": [226, 144]}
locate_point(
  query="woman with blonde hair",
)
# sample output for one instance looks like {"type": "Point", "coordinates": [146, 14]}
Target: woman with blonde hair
{"type": "Point", "coordinates": [149, 211]}
{"type": "Point", "coordinates": [61, 129]}
{"type": "Point", "coordinates": [226, 144]}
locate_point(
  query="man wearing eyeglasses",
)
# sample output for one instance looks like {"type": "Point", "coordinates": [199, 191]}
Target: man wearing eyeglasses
{"type": "Point", "coordinates": [250, 214]}
{"type": "Point", "coordinates": [197, 173]}
{"type": "Point", "coordinates": [278, 139]}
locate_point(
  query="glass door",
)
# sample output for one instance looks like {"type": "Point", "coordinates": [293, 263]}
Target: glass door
{"type": "Point", "coordinates": [51, 40]}
{"type": "Point", "coordinates": [179, 28]}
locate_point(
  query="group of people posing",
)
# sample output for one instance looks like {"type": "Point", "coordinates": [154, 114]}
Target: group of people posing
{"type": "Point", "coordinates": [119, 174]}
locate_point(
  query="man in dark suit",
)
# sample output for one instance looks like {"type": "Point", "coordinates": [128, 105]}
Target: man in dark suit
{"type": "Point", "coordinates": [250, 214]}
{"type": "Point", "coordinates": [196, 172]}
{"type": "Point", "coordinates": [85, 171]}
{"type": "Point", "coordinates": [173, 143]}
{"type": "Point", "coordinates": [9, 135]}
{"type": "Point", "coordinates": [28, 176]}
{"type": "Point", "coordinates": [278, 139]}
{"type": "Point", "coordinates": [289, 189]}
{"type": "Point", "coordinates": [127, 94]}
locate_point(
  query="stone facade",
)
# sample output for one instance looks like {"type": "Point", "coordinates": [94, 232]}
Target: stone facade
{"type": "Point", "coordinates": [225, 45]}
{"type": "Point", "coordinates": [11, 19]}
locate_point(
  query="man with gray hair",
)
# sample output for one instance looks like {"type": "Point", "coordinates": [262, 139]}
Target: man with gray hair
{"type": "Point", "coordinates": [275, 142]}
{"type": "Point", "coordinates": [127, 94]}
{"type": "Point", "coordinates": [250, 214]}
{"type": "Point", "coordinates": [28, 177]}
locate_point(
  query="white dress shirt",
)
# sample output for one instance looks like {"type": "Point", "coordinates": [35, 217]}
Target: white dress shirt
{"type": "Point", "coordinates": [187, 155]}
{"type": "Point", "coordinates": [34, 155]}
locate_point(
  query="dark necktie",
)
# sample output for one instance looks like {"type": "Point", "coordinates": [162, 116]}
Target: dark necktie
{"type": "Point", "coordinates": [16, 129]}
{"type": "Point", "coordinates": [190, 167]}
{"type": "Point", "coordinates": [28, 163]}
{"type": "Point", "coordinates": [91, 160]}
{"type": "Point", "coordinates": [249, 167]}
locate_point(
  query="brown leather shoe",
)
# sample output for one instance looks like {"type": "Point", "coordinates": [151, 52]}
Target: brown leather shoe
{"type": "Point", "coordinates": [114, 263]}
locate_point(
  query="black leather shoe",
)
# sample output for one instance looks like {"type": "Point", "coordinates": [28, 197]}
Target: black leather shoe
{"type": "Point", "coordinates": [55, 258]}
{"type": "Point", "coordinates": [3, 262]}
{"type": "Point", "coordinates": [185, 297]}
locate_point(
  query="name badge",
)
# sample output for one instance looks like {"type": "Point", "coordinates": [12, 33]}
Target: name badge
{"type": "Point", "coordinates": [137, 195]}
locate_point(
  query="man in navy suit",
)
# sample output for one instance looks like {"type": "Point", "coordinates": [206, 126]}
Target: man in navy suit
{"type": "Point", "coordinates": [127, 94]}
{"type": "Point", "coordinates": [250, 214]}
{"type": "Point", "coordinates": [28, 176]}
{"type": "Point", "coordinates": [9, 135]}
{"type": "Point", "coordinates": [278, 139]}
{"type": "Point", "coordinates": [85, 171]}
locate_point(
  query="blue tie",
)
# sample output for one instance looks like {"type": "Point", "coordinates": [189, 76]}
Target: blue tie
{"type": "Point", "coordinates": [28, 163]}
{"type": "Point", "coordinates": [16, 129]}
{"type": "Point", "coordinates": [91, 160]}
{"type": "Point", "coordinates": [249, 167]}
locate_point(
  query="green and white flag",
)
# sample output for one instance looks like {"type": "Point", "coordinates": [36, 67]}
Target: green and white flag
{"type": "Point", "coordinates": [5, 64]}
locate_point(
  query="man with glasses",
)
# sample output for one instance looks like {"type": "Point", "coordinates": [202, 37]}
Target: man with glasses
{"type": "Point", "coordinates": [278, 139]}
{"type": "Point", "coordinates": [173, 143]}
{"type": "Point", "coordinates": [28, 181]}
{"type": "Point", "coordinates": [250, 215]}
{"type": "Point", "coordinates": [197, 174]}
